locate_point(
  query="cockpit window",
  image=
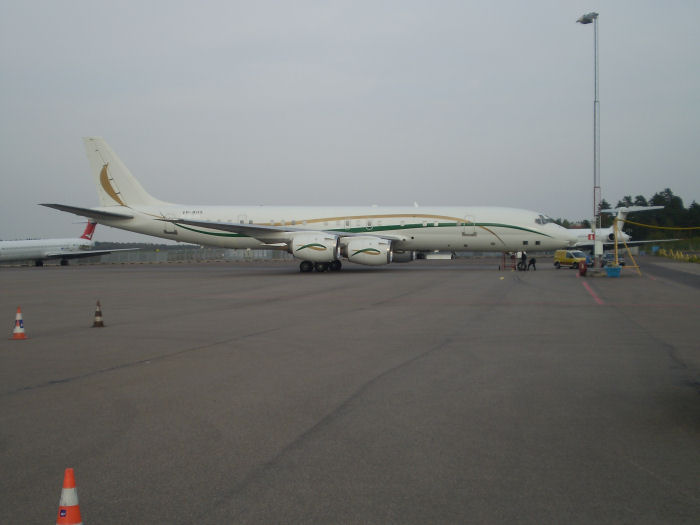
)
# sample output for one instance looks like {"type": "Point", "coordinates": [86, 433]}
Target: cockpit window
{"type": "Point", "coordinates": [543, 219]}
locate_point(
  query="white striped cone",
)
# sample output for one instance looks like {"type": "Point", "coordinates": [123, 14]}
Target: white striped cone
{"type": "Point", "coordinates": [68, 508]}
{"type": "Point", "coordinates": [18, 332]}
{"type": "Point", "coordinates": [98, 323]}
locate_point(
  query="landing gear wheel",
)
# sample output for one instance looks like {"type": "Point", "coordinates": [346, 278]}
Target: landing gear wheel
{"type": "Point", "coordinates": [64, 262]}
{"type": "Point", "coordinates": [306, 266]}
{"type": "Point", "coordinates": [321, 266]}
{"type": "Point", "coordinates": [335, 266]}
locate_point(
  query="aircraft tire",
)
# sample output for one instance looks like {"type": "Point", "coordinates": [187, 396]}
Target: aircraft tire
{"type": "Point", "coordinates": [335, 266]}
{"type": "Point", "coordinates": [306, 266]}
{"type": "Point", "coordinates": [321, 267]}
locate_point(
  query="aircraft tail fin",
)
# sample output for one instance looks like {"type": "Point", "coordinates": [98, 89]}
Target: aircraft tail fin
{"type": "Point", "coordinates": [89, 230]}
{"type": "Point", "coordinates": [116, 186]}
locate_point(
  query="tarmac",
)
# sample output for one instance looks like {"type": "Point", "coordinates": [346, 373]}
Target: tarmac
{"type": "Point", "coordinates": [428, 392]}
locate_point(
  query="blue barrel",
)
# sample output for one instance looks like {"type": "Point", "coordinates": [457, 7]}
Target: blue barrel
{"type": "Point", "coordinates": [613, 271]}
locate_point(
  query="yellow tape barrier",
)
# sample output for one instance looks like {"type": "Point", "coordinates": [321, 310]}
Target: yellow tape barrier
{"type": "Point", "coordinates": [660, 227]}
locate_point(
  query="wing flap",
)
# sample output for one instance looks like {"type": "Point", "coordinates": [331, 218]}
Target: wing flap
{"type": "Point", "coordinates": [273, 234]}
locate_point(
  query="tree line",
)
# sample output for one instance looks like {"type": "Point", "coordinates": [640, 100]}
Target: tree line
{"type": "Point", "coordinates": [673, 215]}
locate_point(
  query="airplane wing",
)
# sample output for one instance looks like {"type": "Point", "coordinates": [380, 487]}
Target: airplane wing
{"type": "Point", "coordinates": [609, 244]}
{"type": "Point", "coordinates": [268, 233]}
{"type": "Point", "coordinates": [79, 254]}
{"type": "Point", "coordinates": [639, 243]}
{"type": "Point", "coordinates": [93, 213]}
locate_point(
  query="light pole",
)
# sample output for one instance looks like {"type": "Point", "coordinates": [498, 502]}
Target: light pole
{"type": "Point", "coordinates": [595, 225]}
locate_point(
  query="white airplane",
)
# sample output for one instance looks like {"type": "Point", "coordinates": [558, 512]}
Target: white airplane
{"type": "Point", "coordinates": [585, 238]}
{"type": "Point", "coordinates": [318, 236]}
{"type": "Point", "coordinates": [40, 250]}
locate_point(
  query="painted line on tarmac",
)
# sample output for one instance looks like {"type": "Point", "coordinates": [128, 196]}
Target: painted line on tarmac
{"type": "Point", "coordinates": [593, 294]}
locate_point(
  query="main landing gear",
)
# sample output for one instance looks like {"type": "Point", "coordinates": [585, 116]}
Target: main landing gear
{"type": "Point", "coordinates": [308, 266]}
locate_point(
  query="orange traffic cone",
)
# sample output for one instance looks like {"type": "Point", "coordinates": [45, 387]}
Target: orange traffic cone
{"type": "Point", "coordinates": [98, 317]}
{"type": "Point", "coordinates": [18, 332]}
{"type": "Point", "coordinates": [68, 508]}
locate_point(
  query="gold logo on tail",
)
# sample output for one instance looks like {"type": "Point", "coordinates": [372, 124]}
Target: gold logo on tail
{"type": "Point", "coordinates": [107, 186]}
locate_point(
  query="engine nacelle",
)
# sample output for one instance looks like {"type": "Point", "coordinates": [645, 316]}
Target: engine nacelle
{"type": "Point", "coordinates": [315, 247]}
{"type": "Point", "coordinates": [372, 251]}
{"type": "Point", "coordinates": [611, 236]}
{"type": "Point", "coordinates": [400, 256]}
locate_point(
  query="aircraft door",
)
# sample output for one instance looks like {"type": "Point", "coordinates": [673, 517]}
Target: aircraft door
{"type": "Point", "coordinates": [468, 226]}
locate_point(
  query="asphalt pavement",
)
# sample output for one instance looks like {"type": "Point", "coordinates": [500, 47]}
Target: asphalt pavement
{"type": "Point", "coordinates": [429, 392]}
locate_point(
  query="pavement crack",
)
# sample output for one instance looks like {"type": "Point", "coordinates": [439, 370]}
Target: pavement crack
{"type": "Point", "coordinates": [132, 364]}
{"type": "Point", "coordinates": [336, 413]}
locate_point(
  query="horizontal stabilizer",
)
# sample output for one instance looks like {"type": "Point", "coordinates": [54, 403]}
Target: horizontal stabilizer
{"type": "Point", "coordinates": [632, 209]}
{"type": "Point", "coordinates": [93, 213]}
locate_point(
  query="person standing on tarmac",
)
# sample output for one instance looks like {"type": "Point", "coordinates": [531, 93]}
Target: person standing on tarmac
{"type": "Point", "coordinates": [523, 261]}
{"type": "Point", "coordinates": [532, 263]}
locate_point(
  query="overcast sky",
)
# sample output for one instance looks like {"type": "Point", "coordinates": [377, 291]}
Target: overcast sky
{"type": "Point", "coordinates": [348, 103]}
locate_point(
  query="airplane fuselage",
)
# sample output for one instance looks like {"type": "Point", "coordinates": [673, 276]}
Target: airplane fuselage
{"type": "Point", "coordinates": [424, 228]}
{"type": "Point", "coordinates": [37, 249]}
{"type": "Point", "coordinates": [584, 237]}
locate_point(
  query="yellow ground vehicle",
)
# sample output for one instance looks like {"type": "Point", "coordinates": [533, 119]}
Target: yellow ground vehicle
{"type": "Point", "coordinates": [570, 258]}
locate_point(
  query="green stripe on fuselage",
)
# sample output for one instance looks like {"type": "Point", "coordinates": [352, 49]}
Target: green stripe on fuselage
{"type": "Point", "coordinates": [393, 227]}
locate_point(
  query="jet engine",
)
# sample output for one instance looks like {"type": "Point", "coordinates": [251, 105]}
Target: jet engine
{"type": "Point", "coordinates": [372, 251]}
{"type": "Point", "coordinates": [315, 247]}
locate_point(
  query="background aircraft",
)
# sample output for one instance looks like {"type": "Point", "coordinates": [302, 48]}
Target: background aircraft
{"type": "Point", "coordinates": [319, 236]}
{"type": "Point", "coordinates": [586, 240]}
{"type": "Point", "coordinates": [40, 250]}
